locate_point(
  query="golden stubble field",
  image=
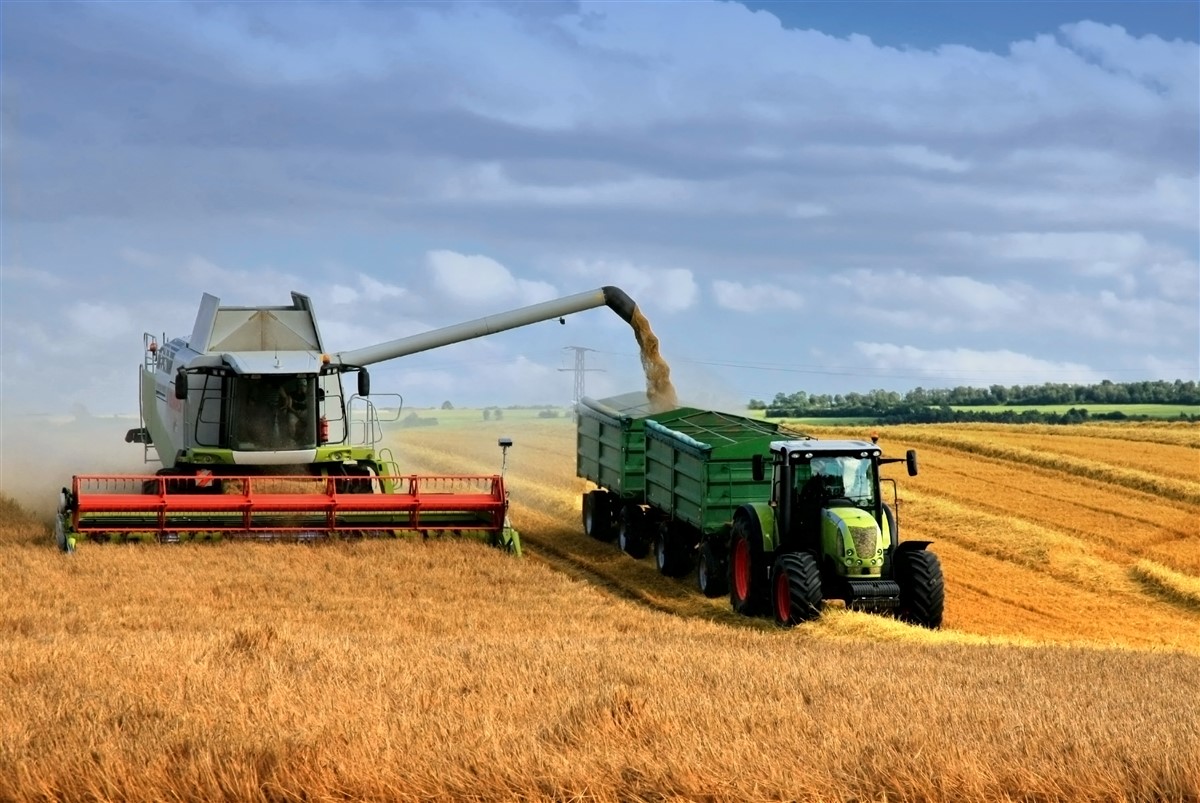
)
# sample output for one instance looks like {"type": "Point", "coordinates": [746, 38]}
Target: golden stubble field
{"type": "Point", "coordinates": [413, 670]}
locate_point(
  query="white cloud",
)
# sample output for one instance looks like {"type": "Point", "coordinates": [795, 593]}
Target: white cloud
{"type": "Point", "coordinates": [368, 290]}
{"type": "Point", "coordinates": [32, 276]}
{"type": "Point", "coordinates": [755, 297]}
{"type": "Point", "coordinates": [100, 320]}
{"type": "Point", "coordinates": [666, 289]}
{"type": "Point", "coordinates": [974, 367]}
{"type": "Point", "coordinates": [926, 159]}
{"type": "Point", "coordinates": [476, 279]}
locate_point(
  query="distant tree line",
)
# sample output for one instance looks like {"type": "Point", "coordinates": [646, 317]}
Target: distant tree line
{"type": "Point", "coordinates": [921, 405]}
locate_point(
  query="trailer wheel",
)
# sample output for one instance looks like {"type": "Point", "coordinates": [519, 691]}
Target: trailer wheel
{"type": "Point", "coordinates": [922, 588]}
{"type": "Point", "coordinates": [597, 518]}
{"type": "Point", "coordinates": [712, 573]}
{"type": "Point", "coordinates": [631, 536]}
{"type": "Point", "coordinates": [796, 589]}
{"type": "Point", "coordinates": [747, 565]}
{"type": "Point", "coordinates": [671, 552]}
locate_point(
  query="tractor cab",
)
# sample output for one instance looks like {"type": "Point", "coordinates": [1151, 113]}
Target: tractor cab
{"type": "Point", "coordinates": [820, 483]}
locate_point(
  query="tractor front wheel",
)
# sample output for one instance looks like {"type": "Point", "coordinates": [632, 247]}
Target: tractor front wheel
{"type": "Point", "coordinates": [796, 589]}
{"type": "Point", "coordinates": [922, 588]}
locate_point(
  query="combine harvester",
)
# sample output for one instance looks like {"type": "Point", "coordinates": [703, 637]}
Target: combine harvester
{"type": "Point", "coordinates": [251, 423]}
{"type": "Point", "coordinates": [694, 485]}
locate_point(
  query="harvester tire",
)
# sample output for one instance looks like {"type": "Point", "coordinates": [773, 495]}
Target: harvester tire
{"type": "Point", "coordinates": [747, 565]}
{"type": "Point", "coordinates": [597, 517]}
{"type": "Point", "coordinates": [712, 573]}
{"type": "Point", "coordinates": [796, 589]}
{"type": "Point", "coordinates": [671, 553]}
{"type": "Point", "coordinates": [631, 536]}
{"type": "Point", "coordinates": [922, 588]}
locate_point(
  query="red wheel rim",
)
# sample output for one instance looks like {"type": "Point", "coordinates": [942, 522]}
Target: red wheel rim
{"type": "Point", "coordinates": [783, 597]}
{"type": "Point", "coordinates": [741, 568]}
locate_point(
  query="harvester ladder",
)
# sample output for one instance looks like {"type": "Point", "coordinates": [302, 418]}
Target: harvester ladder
{"type": "Point", "coordinates": [150, 346]}
{"type": "Point", "coordinates": [372, 429]}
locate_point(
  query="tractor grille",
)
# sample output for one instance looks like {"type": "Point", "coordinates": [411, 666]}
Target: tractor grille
{"type": "Point", "coordinates": [866, 541]}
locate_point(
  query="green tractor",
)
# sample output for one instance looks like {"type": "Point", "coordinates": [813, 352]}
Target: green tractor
{"type": "Point", "coordinates": [826, 533]}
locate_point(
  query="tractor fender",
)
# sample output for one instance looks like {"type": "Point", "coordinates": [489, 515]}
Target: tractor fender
{"type": "Point", "coordinates": [912, 546]}
{"type": "Point", "coordinates": [762, 516]}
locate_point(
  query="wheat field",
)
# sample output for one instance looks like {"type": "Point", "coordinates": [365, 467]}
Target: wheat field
{"type": "Point", "coordinates": [442, 670]}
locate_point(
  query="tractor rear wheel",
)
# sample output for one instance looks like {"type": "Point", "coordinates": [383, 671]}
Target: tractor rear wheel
{"type": "Point", "coordinates": [922, 588]}
{"type": "Point", "coordinates": [796, 589]}
{"type": "Point", "coordinates": [747, 565]}
{"type": "Point", "coordinates": [597, 517]}
{"type": "Point", "coordinates": [631, 536]}
{"type": "Point", "coordinates": [671, 552]}
{"type": "Point", "coordinates": [712, 573]}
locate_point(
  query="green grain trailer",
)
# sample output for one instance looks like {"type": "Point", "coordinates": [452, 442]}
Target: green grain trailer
{"type": "Point", "coordinates": [610, 452]}
{"type": "Point", "coordinates": [698, 472]}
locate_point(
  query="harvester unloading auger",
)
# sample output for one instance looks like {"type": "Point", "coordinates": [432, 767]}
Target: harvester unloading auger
{"type": "Point", "coordinates": [254, 432]}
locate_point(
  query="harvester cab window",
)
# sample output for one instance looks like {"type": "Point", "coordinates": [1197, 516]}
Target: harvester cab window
{"type": "Point", "coordinates": [270, 413]}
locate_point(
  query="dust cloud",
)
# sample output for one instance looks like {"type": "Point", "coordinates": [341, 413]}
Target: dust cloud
{"type": "Point", "coordinates": [38, 456]}
{"type": "Point", "coordinates": [659, 388]}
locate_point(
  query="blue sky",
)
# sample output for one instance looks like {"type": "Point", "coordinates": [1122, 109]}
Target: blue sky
{"type": "Point", "coordinates": [801, 196]}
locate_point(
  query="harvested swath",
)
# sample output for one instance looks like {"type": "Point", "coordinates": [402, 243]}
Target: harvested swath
{"type": "Point", "coordinates": [1167, 460]}
{"type": "Point", "coordinates": [1179, 433]}
{"type": "Point", "coordinates": [1126, 522]}
{"type": "Point", "coordinates": [1175, 586]}
{"type": "Point", "coordinates": [1181, 490]}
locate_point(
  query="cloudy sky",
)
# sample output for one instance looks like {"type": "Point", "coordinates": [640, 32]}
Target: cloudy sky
{"type": "Point", "coordinates": [823, 196]}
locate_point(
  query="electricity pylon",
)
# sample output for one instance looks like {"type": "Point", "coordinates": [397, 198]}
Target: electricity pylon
{"type": "Point", "coordinates": [580, 370]}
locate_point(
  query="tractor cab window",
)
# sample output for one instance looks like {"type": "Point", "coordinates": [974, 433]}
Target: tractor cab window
{"type": "Point", "coordinates": [825, 478]}
{"type": "Point", "coordinates": [270, 413]}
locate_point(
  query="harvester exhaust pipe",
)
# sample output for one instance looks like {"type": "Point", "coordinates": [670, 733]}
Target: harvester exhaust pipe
{"type": "Point", "coordinates": [613, 297]}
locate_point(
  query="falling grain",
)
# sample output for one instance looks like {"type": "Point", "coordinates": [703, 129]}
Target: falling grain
{"type": "Point", "coordinates": [658, 374]}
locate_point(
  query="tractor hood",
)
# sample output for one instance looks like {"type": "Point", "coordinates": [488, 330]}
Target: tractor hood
{"type": "Point", "coordinates": [853, 537]}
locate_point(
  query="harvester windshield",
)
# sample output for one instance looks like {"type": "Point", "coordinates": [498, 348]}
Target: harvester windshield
{"type": "Point", "coordinates": [273, 413]}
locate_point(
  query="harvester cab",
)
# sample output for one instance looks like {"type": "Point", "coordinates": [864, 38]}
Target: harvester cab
{"type": "Point", "coordinates": [252, 425]}
{"type": "Point", "coordinates": [828, 533]}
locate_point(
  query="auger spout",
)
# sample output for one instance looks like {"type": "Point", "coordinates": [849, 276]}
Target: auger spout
{"type": "Point", "coordinates": [613, 297]}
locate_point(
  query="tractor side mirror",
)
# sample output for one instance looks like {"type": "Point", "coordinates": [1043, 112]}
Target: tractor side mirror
{"type": "Point", "coordinates": [181, 384]}
{"type": "Point", "coordinates": [756, 468]}
{"type": "Point", "coordinates": [911, 459]}
{"type": "Point", "coordinates": [364, 382]}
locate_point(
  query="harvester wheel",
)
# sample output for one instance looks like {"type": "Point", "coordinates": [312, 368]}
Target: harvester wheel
{"type": "Point", "coordinates": [597, 517]}
{"type": "Point", "coordinates": [671, 553]}
{"type": "Point", "coordinates": [712, 573]}
{"type": "Point", "coordinates": [747, 565]}
{"type": "Point", "coordinates": [922, 588]}
{"type": "Point", "coordinates": [796, 589]}
{"type": "Point", "coordinates": [631, 536]}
